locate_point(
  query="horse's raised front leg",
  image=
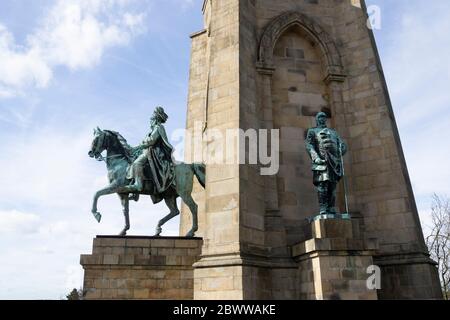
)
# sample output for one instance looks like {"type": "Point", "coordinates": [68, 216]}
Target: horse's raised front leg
{"type": "Point", "coordinates": [171, 203]}
{"type": "Point", "coordinates": [126, 212]}
{"type": "Point", "coordinates": [98, 194]}
{"type": "Point", "coordinates": [193, 207]}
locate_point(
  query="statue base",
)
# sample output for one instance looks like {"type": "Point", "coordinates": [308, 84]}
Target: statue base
{"type": "Point", "coordinates": [141, 268]}
{"type": "Point", "coordinates": [343, 216]}
{"type": "Point", "coordinates": [333, 262]}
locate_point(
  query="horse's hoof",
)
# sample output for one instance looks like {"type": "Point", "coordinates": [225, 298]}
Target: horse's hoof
{"type": "Point", "coordinates": [158, 232]}
{"type": "Point", "coordinates": [123, 233]}
{"type": "Point", "coordinates": [97, 216]}
{"type": "Point", "coordinates": [190, 234]}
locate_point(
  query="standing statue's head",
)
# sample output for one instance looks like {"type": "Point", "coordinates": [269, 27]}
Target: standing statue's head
{"type": "Point", "coordinates": [159, 116]}
{"type": "Point", "coordinates": [321, 119]}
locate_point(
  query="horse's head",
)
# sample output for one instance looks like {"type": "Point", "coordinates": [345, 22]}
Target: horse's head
{"type": "Point", "coordinates": [98, 144]}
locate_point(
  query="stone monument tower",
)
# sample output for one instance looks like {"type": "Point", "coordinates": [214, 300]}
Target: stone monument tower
{"type": "Point", "coordinates": [264, 64]}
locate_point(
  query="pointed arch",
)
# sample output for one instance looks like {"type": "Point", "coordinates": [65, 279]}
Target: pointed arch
{"type": "Point", "coordinates": [275, 29]}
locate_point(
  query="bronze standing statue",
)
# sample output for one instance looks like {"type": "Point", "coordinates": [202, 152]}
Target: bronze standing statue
{"type": "Point", "coordinates": [146, 170]}
{"type": "Point", "coordinates": [326, 149]}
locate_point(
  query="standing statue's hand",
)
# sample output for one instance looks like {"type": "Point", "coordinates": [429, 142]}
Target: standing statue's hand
{"type": "Point", "coordinates": [319, 161]}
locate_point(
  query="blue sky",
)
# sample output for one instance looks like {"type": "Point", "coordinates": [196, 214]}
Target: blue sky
{"type": "Point", "coordinates": [67, 66]}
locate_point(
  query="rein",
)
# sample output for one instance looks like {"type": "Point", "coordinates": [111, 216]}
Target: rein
{"type": "Point", "coordinates": [105, 159]}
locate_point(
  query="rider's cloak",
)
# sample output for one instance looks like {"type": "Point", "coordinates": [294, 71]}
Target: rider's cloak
{"type": "Point", "coordinates": [161, 162]}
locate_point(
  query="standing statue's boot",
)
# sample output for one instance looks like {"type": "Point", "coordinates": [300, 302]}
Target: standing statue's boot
{"type": "Point", "coordinates": [332, 198]}
{"type": "Point", "coordinates": [323, 199]}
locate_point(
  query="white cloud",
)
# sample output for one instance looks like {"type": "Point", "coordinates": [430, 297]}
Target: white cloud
{"type": "Point", "coordinates": [7, 92]}
{"type": "Point", "coordinates": [74, 34]}
{"type": "Point", "coordinates": [54, 177]}
{"type": "Point", "coordinates": [415, 62]}
{"type": "Point", "coordinates": [20, 66]}
{"type": "Point", "coordinates": [414, 53]}
{"type": "Point", "coordinates": [53, 174]}
{"type": "Point", "coordinates": [188, 3]}
{"type": "Point", "coordinates": [44, 159]}
{"type": "Point", "coordinates": [17, 222]}
{"type": "Point", "coordinates": [48, 164]}
{"type": "Point", "coordinates": [426, 159]}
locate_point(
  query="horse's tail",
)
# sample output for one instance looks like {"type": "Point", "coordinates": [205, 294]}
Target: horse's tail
{"type": "Point", "coordinates": [200, 172]}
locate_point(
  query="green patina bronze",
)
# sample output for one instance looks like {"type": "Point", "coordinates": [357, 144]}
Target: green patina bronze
{"type": "Point", "coordinates": [147, 169]}
{"type": "Point", "coordinates": [156, 152]}
{"type": "Point", "coordinates": [326, 149]}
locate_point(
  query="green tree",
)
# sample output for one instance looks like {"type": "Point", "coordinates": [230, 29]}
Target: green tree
{"type": "Point", "coordinates": [75, 295]}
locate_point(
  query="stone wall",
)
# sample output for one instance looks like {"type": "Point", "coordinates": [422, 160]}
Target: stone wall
{"type": "Point", "coordinates": [140, 268]}
{"type": "Point", "coordinates": [408, 277]}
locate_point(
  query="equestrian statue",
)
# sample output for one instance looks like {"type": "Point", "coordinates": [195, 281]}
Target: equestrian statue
{"type": "Point", "coordinates": [147, 169]}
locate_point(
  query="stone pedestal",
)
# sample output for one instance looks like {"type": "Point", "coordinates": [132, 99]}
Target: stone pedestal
{"type": "Point", "coordinates": [333, 263]}
{"type": "Point", "coordinates": [141, 268]}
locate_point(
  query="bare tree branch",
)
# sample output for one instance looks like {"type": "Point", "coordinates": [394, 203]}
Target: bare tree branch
{"type": "Point", "coordinates": [438, 241]}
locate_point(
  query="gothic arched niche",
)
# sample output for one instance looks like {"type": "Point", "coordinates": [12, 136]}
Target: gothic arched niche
{"type": "Point", "coordinates": [278, 26]}
{"type": "Point", "coordinates": [298, 92]}
{"type": "Point", "coordinates": [301, 67]}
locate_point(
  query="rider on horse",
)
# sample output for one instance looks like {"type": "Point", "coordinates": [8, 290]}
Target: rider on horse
{"type": "Point", "coordinates": [154, 172]}
{"type": "Point", "coordinates": [157, 152]}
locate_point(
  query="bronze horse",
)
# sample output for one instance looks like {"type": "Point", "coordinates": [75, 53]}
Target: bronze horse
{"type": "Point", "coordinates": [118, 158]}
